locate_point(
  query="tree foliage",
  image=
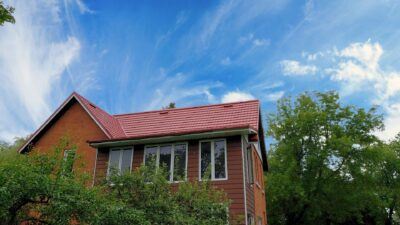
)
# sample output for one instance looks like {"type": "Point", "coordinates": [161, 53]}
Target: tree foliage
{"type": "Point", "coordinates": [42, 189]}
{"type": "Point", "coordinates": [327, 166]}
{"type": "Point", "coordinates": [171, 105]}
{"type": "Point", "coordinates": [189, 203]}
{"type": "Point", "coordinates": [6, 14]}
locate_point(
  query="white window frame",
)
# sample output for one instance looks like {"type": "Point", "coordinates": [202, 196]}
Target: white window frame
{"type": "Point", "coordinates": [66, 155]}
{"type": "Point", "coordinates": [67, 152]}
{"type": "Point", "coordinates": [171, 172]}
{"type": "Point", "coordinates": [120, 158]}
{"type": "Point", "coordinates": [213, 159]}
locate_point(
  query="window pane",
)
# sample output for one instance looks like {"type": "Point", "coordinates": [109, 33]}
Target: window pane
{"type": "Point", "coordinates": [150, 158]}
{"type": "Point", "coordinates": [219, 159]}
{"type": "Point", "coordinates": [114, 160]}
{"type": "Point", "coordinates": [250, 173]}
{"type": "Point", "coordinates": [126, 160]}
{"type": "Point", "coordinates": [179, 162]}
{"type": "Point", "coordinates": [69, 157]}
{"type": "Point", "coordinates": [165, 160]}
{"type": "Point", "coordinates": [206, 159]}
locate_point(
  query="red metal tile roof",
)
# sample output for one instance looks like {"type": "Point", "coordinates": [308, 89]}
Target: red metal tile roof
{"type": "Point", "coordinates": [176, 121]}
{"type": "Point", "coordinates": [191, 120]}
{"type": "Point", "coordinates": [166, 122]}
{"type": "Point", "coordinates": [107, 121]}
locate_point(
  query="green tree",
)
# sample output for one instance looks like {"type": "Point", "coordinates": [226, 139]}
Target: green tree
{"type": "Point", "coordinates": [317, 165]}
{"type": "Point", "coordinates": [384, 169]}
{"type": "Point", "coordinates": [171, 105]}
{"type": "Point", "coordinates": [42, 189]}
{"type": "Point", "coordinates": [189, 203]}
{"type": "Point", "coordinates": [36, 189]}
{"type": "Point", "coordinates": [6, 14]}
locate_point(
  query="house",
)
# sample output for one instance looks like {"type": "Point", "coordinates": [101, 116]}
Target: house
{"type": "Point", "coordinates": [228, 138]}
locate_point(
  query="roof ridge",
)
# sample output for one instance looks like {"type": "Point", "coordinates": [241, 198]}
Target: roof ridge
{"type": "Point", "coordinates": [189, 107]}
{"type": "Point", "coordinates": [103, 111]}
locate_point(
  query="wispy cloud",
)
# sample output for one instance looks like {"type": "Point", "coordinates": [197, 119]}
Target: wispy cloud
{"type": "Point", "coordinates": [236, 96]}
{"type": "Point", "coordinates": [295, 68]}
{"type": "Point", "coordinates": [83, 8]}
{"type": "Point", "coordinates": [255, 41]}
{"type": "Point", "coordinates": [275, 96]}
{"type": "Point", "coordinates": [32, 68]}
{"type": "Point", "coordinates": [179, 89]}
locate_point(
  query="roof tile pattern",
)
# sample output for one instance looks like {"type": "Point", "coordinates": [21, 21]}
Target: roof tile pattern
{"type": "Point", "coordinates": [176, 121]}
{"type": "Point", "coordinates": [191, 120]}
{"type": "Point", "coordinates": [107, 121]}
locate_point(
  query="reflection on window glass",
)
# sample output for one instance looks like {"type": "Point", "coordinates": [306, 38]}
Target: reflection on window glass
{"type": "Point", "coordinates": [114, 160]}
{"type": "Point", "coordinates": [205, 159]}
{"type": "Point", "coordinates": [120, 160]}
{"type": "Point", "coordinates": [126, 160]}
{"type": "Point", "coordinates": [69, 157]}
{"type": "Point", "coordinates": [150, 159]}
{"type": "Point", "coordinates": [179, 162]}
{"type": "Point", "coordinates": [171, 158]}
{"type": "Point", "coordinates": [219, 159]}
{"type": "Point", "coordinates": [213, 159]}
{"type": "Point", "coordinates": [165, 160]}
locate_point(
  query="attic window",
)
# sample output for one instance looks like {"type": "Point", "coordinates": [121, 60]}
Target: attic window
{"type": "Point", "coordinates": [92, 105]}
{"type": "Point", "coordinates": [227, 106]}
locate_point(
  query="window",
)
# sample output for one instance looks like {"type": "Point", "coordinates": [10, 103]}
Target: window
{"type": "Point", "coordinates": [120, 160]}
{"type": "Point", "coordinates": [69, 157]}
{"type": "Point", "coordinates": [69, 154]}
{"type": "Point", "coordinates": [250, 219]}
{"type": "Point", "coordinates": [213, 159]}
{"type": "Point", "coordinates": [259, 221]}
{"type": "Point", "coordinates": [171, 158]}
{"type": "Point", "coordinates": [249, 165]}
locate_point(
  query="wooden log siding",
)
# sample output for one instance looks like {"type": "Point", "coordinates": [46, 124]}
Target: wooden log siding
{"type": "Point", "coordinates": [233, 186]}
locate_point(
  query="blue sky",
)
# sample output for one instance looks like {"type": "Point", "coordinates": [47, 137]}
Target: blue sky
{"type": "Point", "coordinates": [140, 55]}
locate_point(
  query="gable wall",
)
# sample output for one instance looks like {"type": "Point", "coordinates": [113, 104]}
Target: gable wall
{"type": "Point", "coordinates": [76, 124]}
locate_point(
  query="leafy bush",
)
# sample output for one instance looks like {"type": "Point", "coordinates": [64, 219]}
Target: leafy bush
{"type": "Point", "coordinates": [42, 189]}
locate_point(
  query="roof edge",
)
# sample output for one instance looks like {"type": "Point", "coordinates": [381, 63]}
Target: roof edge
{"type": "Point", "coordinates": [106, 132]}
{"type": "Point", "coordinates": [189, 107]}
{"type": "Point", "coordinates": [175, 134]}
{"type": "Point", "coordinates": [54, 114]}
{"type": "Point", "coordinates": [168, 138]}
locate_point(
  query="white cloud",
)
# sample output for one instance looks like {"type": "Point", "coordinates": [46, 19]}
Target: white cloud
{"type": "Point", "coordinates": [236, 96]}
{"type": "Point", "coordinates": [273, 97]}
{"type": "Point", "coordinates": [32, 66]}
{"type": "Point", "coordinates": [292, 67]}
{"type": "Point", "coordinates": [366, 53]}
{"type": "Point", "coordinates": [312, 57]}
{"type": "Point", "coordinates": [357, 68]}
{"type": "Point", "coordinates": [392, 121]}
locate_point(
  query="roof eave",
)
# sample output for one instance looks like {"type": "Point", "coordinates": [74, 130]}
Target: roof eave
{"type": "Point", "coordinates": [170, 138]}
